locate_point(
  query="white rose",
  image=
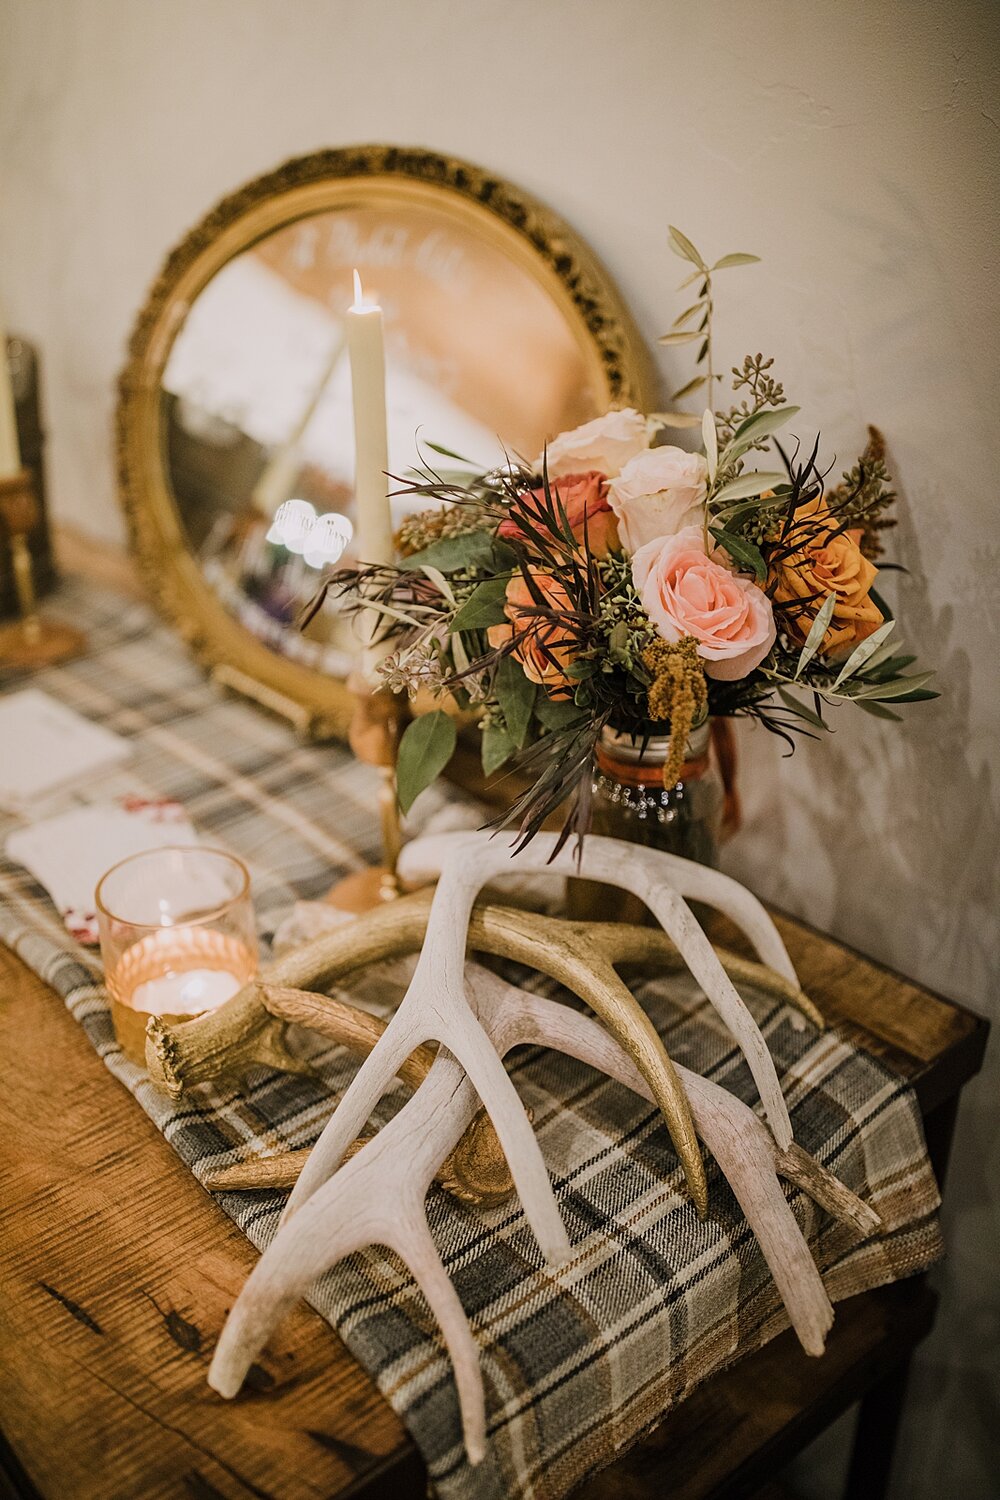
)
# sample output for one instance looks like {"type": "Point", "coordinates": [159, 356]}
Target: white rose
{"type": "Point", "coordinates": [657, 494]}
{"type": "Point", "coordinates": [607, 443]}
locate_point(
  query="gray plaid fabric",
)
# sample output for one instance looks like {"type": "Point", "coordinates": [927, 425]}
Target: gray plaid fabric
{"type": "Point", "coordinates": [579, 1362]}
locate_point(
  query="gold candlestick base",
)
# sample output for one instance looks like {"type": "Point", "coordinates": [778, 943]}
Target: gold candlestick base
{"type": "Point", "coordinates": [33, 641]}
{"type": "Point", "coordinates": [374, 738]}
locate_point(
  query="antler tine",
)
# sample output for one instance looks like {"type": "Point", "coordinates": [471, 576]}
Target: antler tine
{"type": "Point", "coordinates": [656, 878]}
{"type": "Point", "coordinates": [740, 1143]}
{"type": "Point", "coordinates": [436, 1007]}
{"type": "Point", "coordinates": [377, 1198]}
{"type": "Point", "coordinates": [578, 961]}
{"type": "Point", "coordinates": [626, 942]}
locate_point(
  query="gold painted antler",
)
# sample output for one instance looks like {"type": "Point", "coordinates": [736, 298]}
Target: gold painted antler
{"type": "Point", "coordinates": [250, 1029]}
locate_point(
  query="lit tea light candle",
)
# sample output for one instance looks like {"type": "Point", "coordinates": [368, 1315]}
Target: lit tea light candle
{"type": "Point", "coordinates": [181, 971]}
{"type": "Point", "coordinates": [178, 937]}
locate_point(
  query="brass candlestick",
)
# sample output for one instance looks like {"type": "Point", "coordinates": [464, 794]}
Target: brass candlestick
{"type": "Point", "coordinates": [374, 737]}
{"type": "Point", "coordinates": [33, 640]}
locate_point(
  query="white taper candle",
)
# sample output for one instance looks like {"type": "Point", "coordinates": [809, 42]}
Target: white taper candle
{"type": "Point", "coordinates": [373, 523]}
{"type": "Point", "coordinates": [371, 449]}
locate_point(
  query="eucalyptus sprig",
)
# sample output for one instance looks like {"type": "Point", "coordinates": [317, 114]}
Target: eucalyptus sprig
{"type": "Point", "coordinates": [700, 312]}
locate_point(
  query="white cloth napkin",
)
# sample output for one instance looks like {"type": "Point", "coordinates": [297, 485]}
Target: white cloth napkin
{"type": "Point", "coordinates": [69, 853]}
{"type": "Point", "coordinates": [45, 746]}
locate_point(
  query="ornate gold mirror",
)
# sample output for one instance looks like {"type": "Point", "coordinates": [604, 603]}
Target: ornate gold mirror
{"type": "Point", "coordinates": [501, 329]}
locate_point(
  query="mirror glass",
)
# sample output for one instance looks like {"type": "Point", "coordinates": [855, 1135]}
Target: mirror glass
{"type": "Point", "coordinates": [256, 393]}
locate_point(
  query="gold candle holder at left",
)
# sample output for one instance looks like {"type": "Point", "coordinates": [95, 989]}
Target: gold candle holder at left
{"type": "Point", "coordinates": [374, 734]}
{"type": "Point", "coordinates": [33, 640]}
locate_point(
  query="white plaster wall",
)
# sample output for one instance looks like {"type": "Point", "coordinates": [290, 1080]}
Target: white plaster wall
{"type": "Point", "coordinates": [855, 146]}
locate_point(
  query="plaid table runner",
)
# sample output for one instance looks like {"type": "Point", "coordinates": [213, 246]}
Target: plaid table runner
{"type": "Point", "coordinates": [579, 1362]}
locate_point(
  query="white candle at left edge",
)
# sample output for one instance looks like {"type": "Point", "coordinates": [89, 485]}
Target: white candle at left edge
{"type": "Point", "coordinates": [373, 517]}
{"type": "Point", "coordinates": [371, 447]}
{"type": "Point", "coordinates": [10, 454]}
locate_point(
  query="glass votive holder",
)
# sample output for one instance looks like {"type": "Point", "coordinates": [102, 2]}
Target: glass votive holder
{"type": "Point", "coordinates": [177, 937]}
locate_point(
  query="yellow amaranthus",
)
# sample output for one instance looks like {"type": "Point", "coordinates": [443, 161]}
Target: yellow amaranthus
{"type": "Point", "coordinates": [677, 693]}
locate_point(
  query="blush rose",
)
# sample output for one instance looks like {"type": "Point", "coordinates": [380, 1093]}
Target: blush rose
{"type": "Point", "coordinates": [657, 494]}
{"type": "Point", "coordinates": [688, 592]}
{"type": "Point", "coordinates": [606, 444]}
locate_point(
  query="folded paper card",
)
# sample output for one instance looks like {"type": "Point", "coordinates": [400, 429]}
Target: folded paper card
{"type": "Point", "coordinates": [45, 747]}
{"type": "Point", "coordinates": [69, 853]}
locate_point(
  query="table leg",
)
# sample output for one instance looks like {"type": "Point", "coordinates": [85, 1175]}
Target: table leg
{"type": "Point", "coordinates": [879, 1416]}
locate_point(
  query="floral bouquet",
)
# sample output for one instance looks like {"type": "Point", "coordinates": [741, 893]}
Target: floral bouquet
{"type": "Point", "coordinates": [619, 584]}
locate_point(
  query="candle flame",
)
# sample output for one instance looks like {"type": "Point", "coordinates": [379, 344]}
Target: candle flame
{"type": "Point", "coordinates": [359, 295]}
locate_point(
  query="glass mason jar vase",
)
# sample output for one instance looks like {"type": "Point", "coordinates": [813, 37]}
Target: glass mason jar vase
{"type": "Point", "coordinates": [631, 801]}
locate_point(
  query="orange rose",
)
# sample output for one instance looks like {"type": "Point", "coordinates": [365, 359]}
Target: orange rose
{"type": "Point", "coordinates": [830, 564]}
{"type": "Point", "coordinates": [540, 644]}
{"type": "Point", "coordinates": [584, 498]}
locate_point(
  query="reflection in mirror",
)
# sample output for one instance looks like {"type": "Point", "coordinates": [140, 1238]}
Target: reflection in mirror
{"type": "Point", "coordinates": [256, 394]}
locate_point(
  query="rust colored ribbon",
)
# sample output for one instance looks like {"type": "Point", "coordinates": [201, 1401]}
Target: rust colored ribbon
{"type": "Point", "coordinates": [634, 773]}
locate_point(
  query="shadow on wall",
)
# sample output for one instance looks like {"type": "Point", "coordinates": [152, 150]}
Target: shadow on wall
{"type": "Point", "coordinates": [897, 825]}
{"type": "Point", "coordinates": [895, 831]}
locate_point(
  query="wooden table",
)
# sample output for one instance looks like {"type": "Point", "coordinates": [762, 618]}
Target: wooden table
{"type": "Point", "coordinates": [118, 1270]}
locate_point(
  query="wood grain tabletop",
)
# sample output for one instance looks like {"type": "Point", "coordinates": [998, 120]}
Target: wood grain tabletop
{"type": "Point", "coordinates": [118, 1270]}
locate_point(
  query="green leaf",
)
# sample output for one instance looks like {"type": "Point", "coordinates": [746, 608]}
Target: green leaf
{"type": "Point", "coordinates": [618, 639]}
{"type": "Point", "coordinates": [710, 437]}
{"type": "Point", "coordinates": [484, 607]}
{"type": "Point", "coordinates": [447, 453]}
{"type": "Point", "coordinates": [496, 749]}
{"type": "Point", "coordinates": [761, 502]}
{"type": "Point", "coordinates": [760, 425]}
{"type": "Point", "coordinates": [686, 390]}
{"type": "Point", "coordinates": [861, 653]}
{"type": "Point", "coordinates": [883, 663]}
{"type": "Point", "coordinates": [555, 713]}
{"type": "Point", "coordinates": [682, 246]}
{"type": "Point", "coordinates": [678, 338]}
{"type": "Point", "coordinates": [742, 551]}
{"type": "Point", "coordinates": [675, 418]}
{"type": "Point", "coordinates": [687, 313]}
{"type": "Point", "coordinates": [919, 695]}
{"type": "Point", "coordinates": [900, 687]}
{"type": "Point", "coordinates": [815, 637]}
{"type": "Point", "coordinates": [738, 258]}
{"type": "Point", "coordinates": [474, 549]}
{"type": "Point", "coordinates": [747, 484]}
{"type": "Point", "coordinates": [516, 696]}
{"type": "Point", "coordinates": [581, 669]}
{"type": "Point", "coordinates": [424, 751]}
{"type": "Point", "coordinates": [794, 706]}
{"type": "Point", "coordinates": [878, 711]}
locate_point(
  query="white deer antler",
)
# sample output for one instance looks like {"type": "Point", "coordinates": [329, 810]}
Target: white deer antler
{"type": "Point", "coordinates": [249, 1029]}
{"type": "Point", "coordinates": [378, 1196]}
{"type": "Point", "coordinates": [436, 1006]}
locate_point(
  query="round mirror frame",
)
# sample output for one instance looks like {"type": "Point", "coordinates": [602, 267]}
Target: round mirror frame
{"type": "Point", "coordinates": [321, 706]}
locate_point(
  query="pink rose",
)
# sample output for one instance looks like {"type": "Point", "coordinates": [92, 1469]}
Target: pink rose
{"type": "Point", "coordinates": [584, 498]}
{"type": "Point", "coordinates": [606, 444]}
{"type": "Point", "coordinates": [688, 592]}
